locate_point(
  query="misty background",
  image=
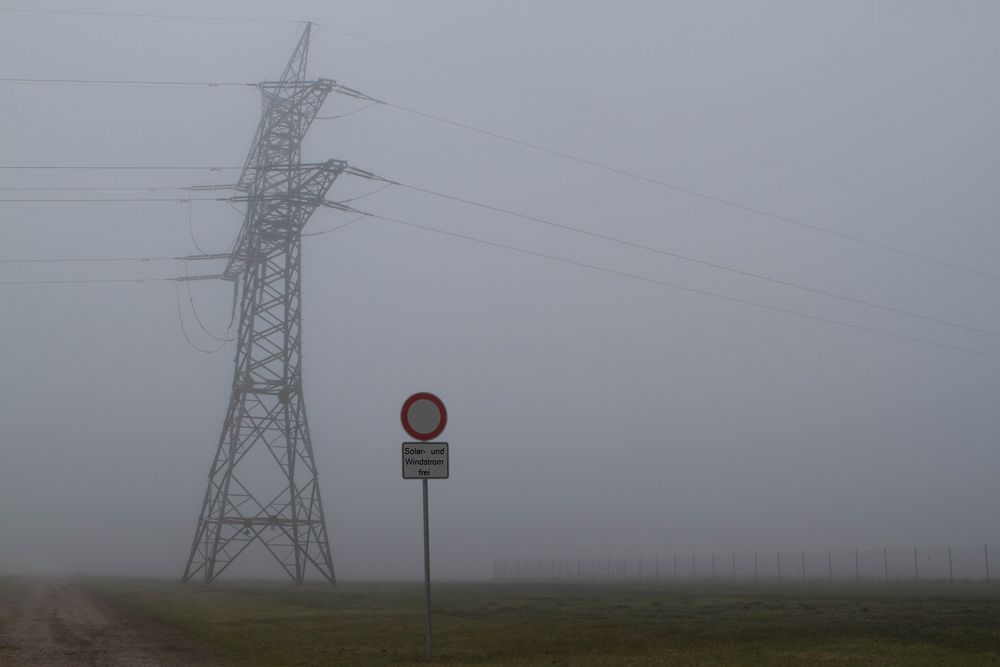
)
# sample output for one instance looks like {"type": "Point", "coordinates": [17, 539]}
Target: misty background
{"type": "Point", "coordinates": [590, 414]}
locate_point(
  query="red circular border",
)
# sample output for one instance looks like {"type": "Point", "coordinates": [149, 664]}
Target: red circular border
{"type": "Point", "coordinates": [419, 396]}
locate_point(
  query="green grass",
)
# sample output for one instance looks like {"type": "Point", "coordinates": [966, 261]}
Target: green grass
{"type": "Point", "coordinates": [484, 624]}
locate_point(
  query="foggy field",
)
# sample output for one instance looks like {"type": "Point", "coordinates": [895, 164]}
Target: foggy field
{"type": "Point", "coordinates": [566, 624]}
{"type": "Point", "coordinates": [657, 332]}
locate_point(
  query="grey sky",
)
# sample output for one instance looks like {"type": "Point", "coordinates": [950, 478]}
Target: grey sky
{"type": "Point", "coordinates": [590, 414]}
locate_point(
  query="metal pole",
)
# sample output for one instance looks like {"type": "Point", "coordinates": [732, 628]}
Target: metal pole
{"type": "Point", "coordinates": [656, 568]}
{"type": "Point", "coordinates": [951, 576]}
{"type": "Point", "coordinates": [734, 566]}
{"type": "Point", "coordinates": [756, 572]}
{"type": "Point", "coordinates": [885, 563]}
{"type": "Point", "coordinates": [779, 566]}
{"type": "Point", "coordinates": [675, 567]}
{"type": "Point", "coordinates": [916, 569]}
{"type": "Point", "coordinates": [829, 562]}
{"type": "Point", "coordinates": [803, 565]}
{"type": "Point", "coordinates": [857, 567]}
{"type": "Point", "coordinates": [986, 553]}
{"type": "Point", "coordinates": [427, 573]}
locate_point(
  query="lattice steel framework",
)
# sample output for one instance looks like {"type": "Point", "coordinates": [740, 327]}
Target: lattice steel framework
{"type": "Point", "coordinates": [266, 415]}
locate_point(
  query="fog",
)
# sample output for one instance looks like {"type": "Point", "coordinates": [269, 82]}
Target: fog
{"type": "Point", "coordinates": [591, 413]}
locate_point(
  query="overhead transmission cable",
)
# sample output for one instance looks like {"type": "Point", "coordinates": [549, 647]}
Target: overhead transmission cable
{"type": "Point", "coordinates": [194, 310]}
{"type": "Point", "coordinates": [349, 113]}
{"type": "Point", "coordinates": [601, 109]}
{"type": "Point", "coordinates": [95, 188]}
{"type": "Point", "coordinates": [113, 167]}
{"type": "Point", "coordinates": [665, 184]}
{"type": "Point", "coordinates": [187, 17]}
{"type": "Point", "coordinates": [180, 319]}
{"type": "Point", "coordinates": [104, 200]}
{"type": "Point", "coordinates": [85, 281]}
{"type": "Point", "coordinates": [689, 258]}
{"type": "Point", "coordinates": [194, 241]}
{"type": "Point", "coordinates": [685, 288]}
{"type": "Point", "coordinates": [67, 260]}
{"type": "Point", "coordinates": [341, 226]}
{"type": "Point", "coordinates": [125, 82]}
{"type": "Point", "coordinates": [507, 82]}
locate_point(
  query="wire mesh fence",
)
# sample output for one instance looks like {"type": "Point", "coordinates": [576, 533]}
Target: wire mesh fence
{"type": "Point", "coordinates": [933, 563]}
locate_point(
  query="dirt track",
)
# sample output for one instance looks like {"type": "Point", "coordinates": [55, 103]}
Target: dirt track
{"type": "Point", "coordinates": [57, 624]}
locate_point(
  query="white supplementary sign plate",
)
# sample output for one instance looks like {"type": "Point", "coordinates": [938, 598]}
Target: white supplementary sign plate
{"type": "Point", "coordinates": [425, 460]}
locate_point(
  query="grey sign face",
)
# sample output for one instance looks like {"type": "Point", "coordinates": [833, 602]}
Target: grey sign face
{"type": "Point", "coordinates": [424, 416]}
{"type": "Point", "coordinates": [425, 460]}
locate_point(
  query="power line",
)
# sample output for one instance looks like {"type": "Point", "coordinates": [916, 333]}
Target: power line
{"type": "Point", "coordinates": [109, 167]}
{"type": "Point", "coordinates": [194, 310]}
{"type": "Point", "coordinates": [348, 113]}
{"type": "Point", "coordinates": [118, 167]}
{"type": "Point", "coordinates": [94, 188]}
{"type": "Point", "coordinates": [190, 207]}
{"type": "Point", "coordinates": [333, 229]}
{"type": "Point", "coordinates": [180, 320]}
{"type": "Point", "coordinates": [105, 200]}
{"type": "Point", "coordinates": [688, 191]}
{"type": "Point", "coordinates": [188, 17]}
{"type": "Point", "coordinates": [65, 260]}
{"type": "Point", "coordinates": [377, 190]}
{"type": "Point", "coordinates": [125, 82]}
{"type": "Point", "coordinates": [716, 295]}
{"type": "Point", "coordinates": [86, 281]}
{"type": "Point", "coordinates": [795, 169]}
{"type": "Point", "coordinates": [61, 260]}
{"type": "Point", "coordinates": [688, 258]}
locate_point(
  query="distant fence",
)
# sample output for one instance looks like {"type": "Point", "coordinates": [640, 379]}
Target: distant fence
{"type": "Point", "coordinates": [945, 563]}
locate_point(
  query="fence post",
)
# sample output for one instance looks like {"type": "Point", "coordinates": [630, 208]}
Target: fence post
{"type": "Point", "coordinates": [734, 567]}
{"type": "Point", "coordinates": [656, 568]}
{"type": "Point", "coordinates": [803, 565]}
{"type": "Point", "coordinates": [986, 553]}
{"type": "Point", "coordinates": [756, 571]}
{"type": "Point", "coordinates": [916, 569]}
{"type": "Point", "coordinates": [675, 566]}
{"type": "Point", "coordinates": [609, 569]}
{"type": "Point", "coordinates": [694, 570]}
{"type": "Point", "coordinates": [640, 569]}
{"type": "Point", "coordinates": [857, 567]}
{"type": "Point", "coordinates": [779, 566]}
{"type": "Point", "coordinates": [713, 566]}
{"type": "Point", "coordinates": [951, 575]}
{"type": "Point", "coordinates": [829, 562]}
{"type": "Point", "coordinates": [885, 563]}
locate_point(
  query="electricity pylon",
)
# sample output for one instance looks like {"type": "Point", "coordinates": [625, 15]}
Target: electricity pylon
{"type": "Point", "coordinates": [263, 485]}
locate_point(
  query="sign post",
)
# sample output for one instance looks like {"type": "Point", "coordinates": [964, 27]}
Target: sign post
{"type": "Point", "coordinates": [424, 417]}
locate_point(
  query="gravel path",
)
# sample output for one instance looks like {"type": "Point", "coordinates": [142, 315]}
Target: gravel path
{"type": "Point", "coordinates": [57, 624]}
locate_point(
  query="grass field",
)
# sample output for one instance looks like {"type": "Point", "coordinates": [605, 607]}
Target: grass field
{"type": "Point", "coordinates": [500, 624]}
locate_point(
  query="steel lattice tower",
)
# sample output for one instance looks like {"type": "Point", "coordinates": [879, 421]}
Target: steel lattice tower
{"type": "Point", "coordinates": [263, 485]}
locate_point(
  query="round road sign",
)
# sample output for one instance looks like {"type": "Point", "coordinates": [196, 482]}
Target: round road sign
{"type": "Point", "coordinates": [424, 416]}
